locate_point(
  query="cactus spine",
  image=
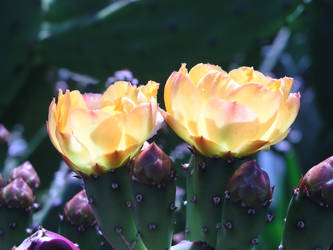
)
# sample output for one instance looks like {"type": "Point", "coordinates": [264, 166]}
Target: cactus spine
{"type": "Point", "coordinates": [206, 181]}
{"type": "Point", "coordinates": [248, 196]}
{"type": "Point", "coordinates": [153, 197]}
{"type": "Point", "coordinates": [310, 215]}
{"type": "Point", "coordinates": [109, 195]}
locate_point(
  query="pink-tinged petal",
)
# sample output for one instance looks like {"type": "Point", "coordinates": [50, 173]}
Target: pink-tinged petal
{"type": "Point", "coordinates": [177, 127]}
{"type": "Point", "coordinates": [255, 96]}
{"type": "Point", "coordinates": [200, 70]}
{"type": "Point", "coordinates": [140, 123]}
{"type": "Point", "coordinates": [93, 101]}
{"type": "Point", "coordinates": [208, 147]}
{"type": "Point", "coordinates": [250, 147]}
{"type": "Point", "coordinates": [229, 124]}
{"type": "Point", "coordinates": [182, 98]}
{"type": "Point", "coordinates": [51, 125]}
{"type": "Point", "coordinates": [183, 69]}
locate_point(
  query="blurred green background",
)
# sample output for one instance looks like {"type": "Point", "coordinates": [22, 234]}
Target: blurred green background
{"type": "Point", "coordinates": [88, 44]}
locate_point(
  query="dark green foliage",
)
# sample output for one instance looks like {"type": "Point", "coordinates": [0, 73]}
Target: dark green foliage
{"type": "Point", "coordinates": [109, 195]}
{"type": "Point", "coordinates": [60, 10]}
{"type": "Point", "coordinates": [308, 225]}
{"type": "Point", "coordinates": [20, 23]}
{"type": "Point", "coordinates": [206, 182]}
{"type": "Point", "coordinates": [176, 31]}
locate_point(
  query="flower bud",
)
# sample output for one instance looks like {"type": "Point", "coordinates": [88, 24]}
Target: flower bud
{"type": "Point", "coordinates": [250, 184]}
{"type": "Point", "coordinates": [317, 183]}
{"type": "Point", "coordinates": [78, 211]}
{"type": "Point", "coordinates": [46, 240]}
{"type": "Point", "coordinates": [1, 181]}
{"type": "Point", "coordinates": [17, 194]}
{"type": "Point", "coordinates": [152, 165]}
{"type": "Point", "coordinates": [27, 172]}
{"type": "Point", "coordinates": [4, 134]}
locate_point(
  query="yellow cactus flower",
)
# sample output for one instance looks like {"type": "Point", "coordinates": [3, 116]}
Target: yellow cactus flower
{"type": "Point", "coordinates": [229, 114]}
{"type": "Point", "coordinates": [95, 133]}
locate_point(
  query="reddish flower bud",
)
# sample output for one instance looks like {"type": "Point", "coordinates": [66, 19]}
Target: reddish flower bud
{"type": "Point", "coordinates": [17, 194]}
{"type": "Point", "coordinates": [317, 183]}
{"type": "Point", "coordinates": [78, 211]}
{"type": "Point", "coordinates": [46, 240]}
{"type": "Point", "coordinates": [27, 172]}
{"type": "Point", "coordinates": [250, 184]}
{"type": "Point", "coordinates": [152, 165]}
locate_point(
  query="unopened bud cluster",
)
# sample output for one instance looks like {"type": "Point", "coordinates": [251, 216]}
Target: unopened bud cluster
{"type": "Point", "coordinates": [250, 185]}
{"type": "Point", "coordinates": [19, 192]}
{"type": "Point", "coordinates": [317, 183]}
{"type": "Point", "coordinates": [152, 166]}
{"type": "Point", "coordinates": [78, 211]}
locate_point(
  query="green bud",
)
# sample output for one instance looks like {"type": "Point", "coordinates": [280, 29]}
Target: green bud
{"type": "Point", "coordinates": [317, 183]}
{"type": "Point", "coordinates": [78, 211]}
{"type": "Point", "coordinates": [27, 172]}
{"type": "Point", "coordinates": [152, 165]}
{"type": "Point", "coordinates": [250, 185]}
{"type": "Point", "coordinates": [17, 194]}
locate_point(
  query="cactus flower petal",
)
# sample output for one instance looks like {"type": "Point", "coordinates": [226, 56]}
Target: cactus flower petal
{"type": "Point", "coordinates": [95, 132]}
{"type": "Point", "coordinates": [238, 113]}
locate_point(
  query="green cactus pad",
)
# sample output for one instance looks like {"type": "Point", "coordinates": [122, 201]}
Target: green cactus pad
{"type": "Point", "coordinates": [240, 226]}
{"type": "Point", "coordinates": [206, 182]}
{"type": "Point", "coordinates": [87, 239]}
{"type": "Point", "coordinates": [308, 225]}
{"type": "Point", "coordinates": [154, 212]}
{"type": "Point", "coordinates": [109, 195]}
{"type": "Point", "coordinates": [14, 224]}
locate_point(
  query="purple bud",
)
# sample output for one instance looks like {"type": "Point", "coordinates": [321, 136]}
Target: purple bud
{"type": "Point", "coordinates": [250, 185]}
{"type": "Point", "coordinates": [17, 194]}
{"type": "Point", "coordinates": [78, 211]}
{"type": "Point", "coordinates": [27, 172]}
{"type": "Point", "coordinates": [317, 183]}
{"type": "Point", "coordinates": [152, 165]}
{"type": "Point", "coordinates": [46, 240]}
